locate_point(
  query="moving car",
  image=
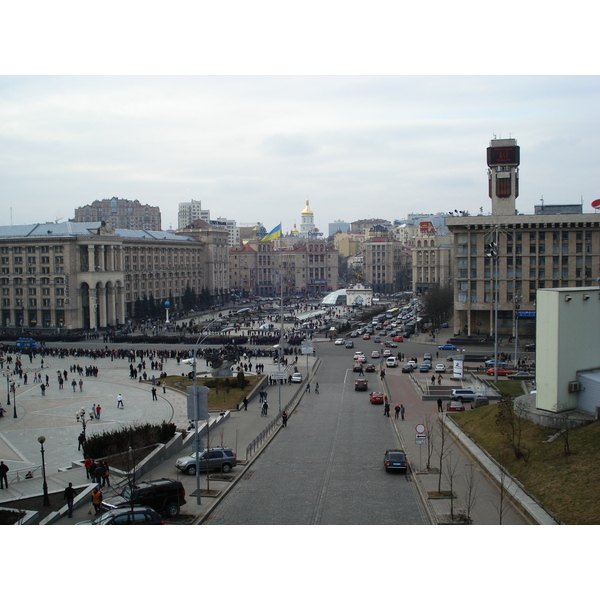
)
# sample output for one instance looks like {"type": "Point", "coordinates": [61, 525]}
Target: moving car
{"type": "Point", "coordinates": [370, 368]}
{"type": "Point", "coordinates": [447, 347]}
{"type": "Point", "coordinates": [501, 365]}
{"type": "Point", "coordinates": [297, 378]}
{"type": "Point", "coordinates": [427, 357]}
{"type": "Point", "coordinates": [376, 397]}
{"type": "Point", "coordinates": [349, 344]}
{"type": "Point", "coordinates": [441, 368]}
{"type": "Point", "coordinates": [220, 459]}
{"type": "Point", "coordinates": [375, 354]}
{"type": "Point", "coordinates": [529, 348]}
{"type": "Point", "coordinates": [500, 371]}
{"type": "Point", "coordinates": [455, 407]}
{"type": "Point", "coordinates": [387, 353]}
{"type": "Point", "coordinates": [407, 368]}
{"type": "Point", "coordinates": [361, 385]}
{"type": "Point", "coordinates": [465, 394]}
{"type": "Point", "coordinates": [390, 344]}
{"type": "Point", "coordinates": [138, 515]}
{"type": "Point", "coordinates": [395, 460]}
{"type": "Point", "coordinates": [357, 368]}
{"type": "Point", "coordinates": [398, 338]}
{"type": "Point", "coordinates": [391, 361]}
{"type": "Point", "coordinates": [366, 336]}
{"type": "Point", "coordinates": [340, 342]}
{"type": "Point", "coordinates": [425, 367]}
{"type": "Point", "coordinates": [522, 376]}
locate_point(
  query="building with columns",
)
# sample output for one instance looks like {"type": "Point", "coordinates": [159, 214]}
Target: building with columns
{"type": "Point", "coordinates": [89, 275]}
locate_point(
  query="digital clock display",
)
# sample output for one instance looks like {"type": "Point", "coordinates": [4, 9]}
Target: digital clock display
{"type": "Point", "coordinates": [507, 155]}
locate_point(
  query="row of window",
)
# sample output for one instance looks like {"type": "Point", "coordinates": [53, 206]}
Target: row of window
{"type": "Point", "coordinates": [31, 249]}
{"type": "Point", "coordinates": [33, 303]}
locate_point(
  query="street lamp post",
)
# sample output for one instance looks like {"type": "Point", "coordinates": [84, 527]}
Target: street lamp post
{"type": "Point", "coordinates": [13, 387]}
{"type": "Point", "coordinates": [41, 440]}
{"type": "Point", "coordinates": [491, 251]}
{"type": "Point", "coordinates": [199, 341]}
{"type": "Point", "coordinates": [167, 304]}
{"type": "Point", "coordinates": [517, 306]}
{"type": "Point", "coordinates": [7, 386]}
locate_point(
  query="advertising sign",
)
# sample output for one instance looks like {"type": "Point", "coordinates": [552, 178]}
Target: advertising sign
{"type": "Point", "coordinates": [457, 369]}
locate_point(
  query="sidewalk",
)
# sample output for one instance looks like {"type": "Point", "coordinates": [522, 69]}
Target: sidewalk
{"type": "Point", "coordinates": [54, 417]}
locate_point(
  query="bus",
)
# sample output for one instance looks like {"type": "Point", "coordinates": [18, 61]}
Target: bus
{"type": "Point", "coordinates": [392, 313]}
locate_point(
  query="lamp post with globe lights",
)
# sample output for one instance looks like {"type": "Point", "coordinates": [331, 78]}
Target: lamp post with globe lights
{"type": "Point", "coordinates": [41, 440]}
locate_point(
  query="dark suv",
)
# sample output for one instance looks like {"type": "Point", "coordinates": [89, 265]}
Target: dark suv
{"type": "Point", "coordinates": [219, 459]}
{"type": "Point", "coordinates": [163, 495]}
{"type": "Point", "coordinates": [395, 460]}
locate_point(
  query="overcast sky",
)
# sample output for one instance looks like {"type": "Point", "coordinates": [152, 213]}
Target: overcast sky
{"type": "Point", "coordinates": [255, 147]}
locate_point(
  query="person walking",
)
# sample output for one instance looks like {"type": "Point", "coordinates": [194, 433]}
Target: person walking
{"type": "Point", "coordinates": [439, 404]}
{"type": "Point", "coordinates": [402, 411]}
{"type": "Point", "coordinates": [74, 385]}
{"type": "Point", "coordinates": [98, 409]}
{"type": "Point", "coordinates": [396, 411]}
{"type": "Point", "coordinates": [93, 471]}
{"type": "Point", "coordinates": [43, 388]}
{"type": "Point", "coordinates": [432, 379]}
{"type": "Point", "coordinates": [317, 388]}
{"type": "Point", "coordinates": [120, 401]}
{"type": "Point", "coordinates": [284, 419]}
{"type": "Point", "coordinates": [106, 476]}
{"type": "Point", "coordinates": [87, 463]}
{"type": "Point", "coordinates": [265, 408]}
{"type": "Point", "coordinates": [154, 397]}
{"type": "Point", "coordinates": [3, 475]}
{"type": "Point", "coordinates": [69, 496]}
{"type": "Point", "coordinates": [386, 407]}
{"type": "Point", "coordinates": [99, 473]}
{"type": "Point", "coordinates": [81, 440]}
{"type": "Point", "coordinates": [245, 401]}
{"type": "Point", "coordinates": [93, 413]}
{"type": "Point", "coordinates": [440, 379]}
{"type": "Point", "coordinates": [81, 385]}
{"type": "Point", "coordinates": [97, 500]}
{"type": "Point", "coordinates": [307, 390]}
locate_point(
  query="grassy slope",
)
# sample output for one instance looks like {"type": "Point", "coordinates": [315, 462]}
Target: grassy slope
{"type": "Point", "coordinates": [569, 487]}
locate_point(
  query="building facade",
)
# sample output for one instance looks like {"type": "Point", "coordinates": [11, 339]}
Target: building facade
{"type": "Point", "coordinates": [189, 212]}
{"type": "Point", "coordinates": [514, 255]}
{"type": "Point", "coordinates": [121, 214]}
{"type": "Point", "coordinates": [89, 275]}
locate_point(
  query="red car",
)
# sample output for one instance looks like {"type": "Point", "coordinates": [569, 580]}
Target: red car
{"type": "Point", "coordinates": [370, 368]}
{"type": "Point", "coordinates": [398, 338]}
{"type": "Point", "coordinates": [376, 397]}
{"type": "Point", "coordinates": [500, 371]}
{"type": "Point", "coordinates": [366, 336]}
{"type": "Point", "coordinates": [455, 407]}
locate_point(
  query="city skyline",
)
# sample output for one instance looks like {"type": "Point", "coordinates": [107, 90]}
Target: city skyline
{"type": "Point", "coordinates": [255, 148]}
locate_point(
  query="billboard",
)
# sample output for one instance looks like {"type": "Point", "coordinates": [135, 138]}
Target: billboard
{"type": "Point", "coordinates": [427, 228]}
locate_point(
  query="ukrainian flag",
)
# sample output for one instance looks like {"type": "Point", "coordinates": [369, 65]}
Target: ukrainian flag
{"type": "Point", "coordinates": [273, 235]}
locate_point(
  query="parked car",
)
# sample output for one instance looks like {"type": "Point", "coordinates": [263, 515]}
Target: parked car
{"type": "Point", "coordinates": [500, 371]}
{"type": "Point", "coordinates": [522, 376]}
{"type": "Point", "coordinates": [370, 368]}
{"type": "Point", "coordinates": [455, 407]}
{"type": "Point", "coordinates": [139, 515]}
{"type": "Point", "coordinates": [163, 495]}
{"type": "Point", "coordinates": [479, 402]}
{"type": "Point", "coordinates": [211, 459]}
{"type": "Point", "coordinates": [361, 385]}
{"type": "Point", "coordinates": [376, 397]}
{"type": "Point", "coordinates": [395, 460]}
{"type": "Point", "coordinates": [441, 368]}
{"type": "Point", "coordinates": [465, 394]}
{"type": "Point", "coordinates": [447, 347]}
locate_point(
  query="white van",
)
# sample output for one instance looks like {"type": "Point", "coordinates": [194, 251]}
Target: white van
{"type": "Point", "coordinates": [391, 361]}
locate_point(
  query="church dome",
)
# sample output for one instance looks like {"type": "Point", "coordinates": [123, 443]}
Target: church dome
{"type": "Point", "coordinates": [307, 211]}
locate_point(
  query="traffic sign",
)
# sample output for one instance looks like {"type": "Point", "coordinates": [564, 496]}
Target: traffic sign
{"type": "Point", "coordinates": [420, 438]}
{"type": "Point", "coordinates": [279, 375]}
{"type": "Point", "coordinates": [420, 428]}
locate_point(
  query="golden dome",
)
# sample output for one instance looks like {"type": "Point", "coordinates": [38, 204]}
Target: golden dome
{"type": "Point", "coordinates": [307, 210]}
{"type": "Point", "coordinates": [294, 230]}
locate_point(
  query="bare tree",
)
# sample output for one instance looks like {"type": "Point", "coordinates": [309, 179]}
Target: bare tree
{"type": "Point", "coordinates": [443, 450]}
{"type": "Point", "coordinates": [564, 434]}
{"type": "Point", "coordinates": [431, 432]}
{"type": "Point", "coordinates": [471, 490]}
{"type": "Point", "coordinates": [510, 424]}
{"type": "Point", "coordinates": [503, 505]}
{"type": "Point", "coordinates": [450, 474]}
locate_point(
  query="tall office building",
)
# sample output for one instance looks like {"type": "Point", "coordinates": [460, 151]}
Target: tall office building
{"type": "Point", "coordinates": [189, 212]}
{"type": "Point", "coordinates": [121, 214]}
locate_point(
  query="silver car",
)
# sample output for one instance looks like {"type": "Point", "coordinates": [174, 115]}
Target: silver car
{"type": "Point", "coordinates": [211, 459]}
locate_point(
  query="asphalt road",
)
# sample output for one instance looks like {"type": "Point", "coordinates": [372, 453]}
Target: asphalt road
{"type": "Point", "coordinates": [326, 467]}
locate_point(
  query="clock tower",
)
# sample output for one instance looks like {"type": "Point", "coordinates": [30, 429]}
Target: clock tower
{"type": "Point", "coordinates": [503, 158]}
